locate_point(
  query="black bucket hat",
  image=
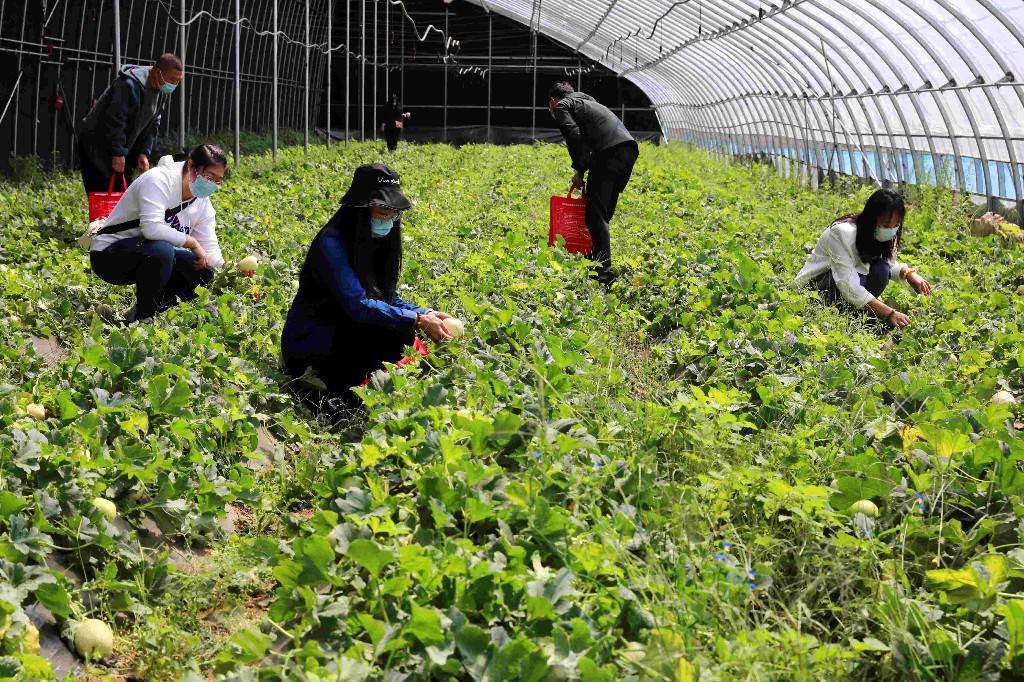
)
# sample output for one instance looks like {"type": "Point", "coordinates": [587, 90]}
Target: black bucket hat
{"type": "Point", "coordinates": [378, 185]}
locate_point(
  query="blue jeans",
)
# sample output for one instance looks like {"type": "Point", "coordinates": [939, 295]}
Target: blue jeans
{"type": "Point", "coordinates": [875, 281]}
{"type": "Point", "coordinates": [162, 273]}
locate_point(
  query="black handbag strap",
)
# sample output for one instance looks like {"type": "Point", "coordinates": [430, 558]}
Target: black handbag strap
{"type": "Point", "coordinates": [132, 224]}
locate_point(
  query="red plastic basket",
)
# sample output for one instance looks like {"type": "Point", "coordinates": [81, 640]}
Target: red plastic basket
{"type": "Point", "coordinates": [568, 220]}
{"type": "Point", "coordinates": [101, 204]}
{"type": "Point", "coordinates": [421, 352]}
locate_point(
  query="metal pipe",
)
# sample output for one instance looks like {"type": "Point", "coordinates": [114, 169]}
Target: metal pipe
{"type": "Point", "coordinates": [387, 50]}
{"type": "Point", "coordinates": [182, 114]}
{"type": "Point", "coordinates": [374, 100]}
{"type": "Point", "coordinates": [533, 93]}
{"type": "Point", "coordinates": [362, 71]}
{"type": "Point", "coordinates": [274, 98]}
{"type": "Point", "coordinates": [490, 74]}
{"type": "Point", "coordinates": [444, 116]}
{"type": "Point", "coordinates": [117, 35]}
{"type": "Point", "coordinates": [401, 83]}
{"type": "Point", "coordinates": [305, 91]}
{"type": "Point", "coordinates": [330, 40]}
{"type": "Point", "coordinates": [238, 82]}
{"type": "Point", "coordinates": [348, 63]}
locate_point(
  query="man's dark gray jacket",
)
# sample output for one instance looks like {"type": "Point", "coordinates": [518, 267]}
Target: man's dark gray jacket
{"type": "Point", "coordinates": [588, 127]}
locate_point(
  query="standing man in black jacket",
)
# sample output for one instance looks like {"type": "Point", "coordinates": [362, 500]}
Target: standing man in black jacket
{"type": "Point", "coordinates": [600, 144]}
{"type": "Point", "coordinates": [118, 133]}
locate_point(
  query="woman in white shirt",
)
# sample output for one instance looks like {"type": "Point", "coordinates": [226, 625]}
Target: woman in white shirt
{"type": "Point", "coordinates": [855, 258]}
{"type": "Point", "coordinates": [162, 234]}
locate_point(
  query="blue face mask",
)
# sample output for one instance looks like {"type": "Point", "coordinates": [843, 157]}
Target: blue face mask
{"type": "Point", "coordinates": [381, 228]}
{"type": "Point", "coordinates": [201, 187]}
{"type": "Point", "coordinates": [167, 88]}
{"type": "Point", "coordinates": [886, 234]}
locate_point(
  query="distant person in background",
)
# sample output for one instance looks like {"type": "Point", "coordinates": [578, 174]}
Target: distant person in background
{"type": "Point", "coordinates": [856, 258]}
{"type": "Point", "coordinates": [598, 142]}
{"type": "Point", "coordinates": [347, 318]}
{"type": "Point", "coordinates": [118, 133]}
{"type": "Point", "coordinates": [162, 235]}
{"type": "Point", "coordinates": [393, 116]}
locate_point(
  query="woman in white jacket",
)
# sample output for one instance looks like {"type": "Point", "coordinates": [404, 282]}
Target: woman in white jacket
{"type": "Point", "coordinates": [162, 235]}
{"type": "Point", "coordinates": [855, 258]}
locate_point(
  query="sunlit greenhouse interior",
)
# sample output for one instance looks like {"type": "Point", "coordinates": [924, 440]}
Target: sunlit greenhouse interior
{"type": "Point", "coordinates": [511, 340]}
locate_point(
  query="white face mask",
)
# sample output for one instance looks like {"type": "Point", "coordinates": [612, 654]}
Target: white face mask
{"type": "Point", "coordinates": [886, 234]}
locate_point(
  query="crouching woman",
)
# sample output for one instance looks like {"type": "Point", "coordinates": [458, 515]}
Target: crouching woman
{"type": "Point", "coordinates": [161, 236]}
{"type": "Point", "coordinates": [856, 258]}
{"type": "Point", "coordinates": [347, 319]}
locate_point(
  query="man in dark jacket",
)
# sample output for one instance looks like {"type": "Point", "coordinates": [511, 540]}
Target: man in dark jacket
{"type": "Point", "coordinates": [600, 144]}
{"type": "Point", "coordinates": [118, 133]}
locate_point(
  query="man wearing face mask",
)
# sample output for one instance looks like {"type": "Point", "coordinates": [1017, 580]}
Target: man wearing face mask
{"type": "Point", "coordinates": [118, 133]}
{"type": "Point", "coordinates": [162, 235]}
{"type": "Point", "coordinates": [600, 145]}
{"type": "Point", "coordinates": [347, 318]}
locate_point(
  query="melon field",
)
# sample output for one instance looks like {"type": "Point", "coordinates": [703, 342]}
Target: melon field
{"type": "Point", "coordinates": [704, 474]}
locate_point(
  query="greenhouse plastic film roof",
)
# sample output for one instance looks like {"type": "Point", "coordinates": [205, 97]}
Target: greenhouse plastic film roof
{"type": "Point", "coordinates": [898, 90]}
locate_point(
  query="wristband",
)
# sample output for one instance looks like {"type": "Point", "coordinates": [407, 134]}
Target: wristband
{"type": "Point", "coordinates": [907, 272]}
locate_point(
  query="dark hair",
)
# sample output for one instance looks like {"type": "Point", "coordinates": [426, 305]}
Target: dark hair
{"type": "Point", "coordinates": [206, 155]}
{"type": "Point", "coordinates": [880, 204]}
{"type": "Point", "coordinates": [560, 90]}
{"type": "Point", "coordinates": [377, 262]}
{"type": "Point", "coordinates": [169, 62]}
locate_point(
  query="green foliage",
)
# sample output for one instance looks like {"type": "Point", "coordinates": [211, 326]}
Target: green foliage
{"type": "Point", "coordinates": [648, 484]}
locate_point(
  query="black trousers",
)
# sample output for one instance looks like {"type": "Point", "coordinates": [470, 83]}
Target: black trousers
{"type": "Point", "coordinates": [98, 179]}
{"type": "Point", "coordinates": [392, 136]}
{"type": "Point", "coordinates": [610, 170]}
{"type": "Point", "coordinates": [163, 274]}
{"type": "Point", "coordinates": [356, 351]}
{"type": "Point", "coordinates": [875, 281]}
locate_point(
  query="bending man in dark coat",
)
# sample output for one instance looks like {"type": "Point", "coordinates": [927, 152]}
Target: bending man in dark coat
{"type": "Point", "coordinates": [600, 144]}
{"type": "Point", "coordinates": [118, 133]}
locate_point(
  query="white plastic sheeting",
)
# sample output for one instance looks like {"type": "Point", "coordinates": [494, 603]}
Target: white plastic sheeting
{"type": "Point", "coordinates": [898, 90]}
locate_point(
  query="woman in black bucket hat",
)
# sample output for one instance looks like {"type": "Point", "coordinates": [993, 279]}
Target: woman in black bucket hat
{"type": "Point", "coordinates": [347, 318]}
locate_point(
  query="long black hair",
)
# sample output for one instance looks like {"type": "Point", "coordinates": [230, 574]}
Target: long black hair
{"type": "Point", "coordinates": [880, 204]}
{"type": "Point", "coordinates": [377, 261]}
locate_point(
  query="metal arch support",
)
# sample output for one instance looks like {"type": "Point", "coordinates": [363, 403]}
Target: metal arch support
{"type": "Point", "coordinates": [764, 106]}
{"type": "Point", "coordinates": [330, 75]}
{"type": "Point", "coordinates": [811, 33]}
{"type": "Point", "coordinates": [597, 26]}
{"type": "Point", "coordinates": [884, 58]}
{"type": "Point", "coordinates": [276, 106]}
{"type": "Point", "coordinates": [1000, 118]}
{"type": "Point", "coordinates": [947, 73]}
{"type": "Point", "coordinates": [238, 82]}
{"type": "Point", "coordinates": [797, 56]}
{"type": "Point", "coordinates": [845, 104]}
{"type": "Point", "coordinates": [939, 103]}
{"type": "Point", "coordinates": [758, 73]}
{"type": "Point", "coordinates": [745, 60]}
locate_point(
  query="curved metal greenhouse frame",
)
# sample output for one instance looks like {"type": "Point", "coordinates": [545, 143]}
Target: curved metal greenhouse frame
{"type": "Point", "coordinates": [895, 90]}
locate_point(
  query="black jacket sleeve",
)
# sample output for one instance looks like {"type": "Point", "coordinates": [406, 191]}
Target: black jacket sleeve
{"type": "Point", "coordinates": [147, 139]}
{"type": "Point", "coordinates": [566, 120]}
{"type": "Point", "coordinates": [123, 104]}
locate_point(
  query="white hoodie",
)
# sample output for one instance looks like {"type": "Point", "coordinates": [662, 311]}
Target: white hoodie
{"type": "Point", "coordinates": [148, 198]}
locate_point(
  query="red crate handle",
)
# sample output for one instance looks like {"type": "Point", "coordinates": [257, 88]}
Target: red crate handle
{"type": "Point", "coordinates": [124, 183]}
